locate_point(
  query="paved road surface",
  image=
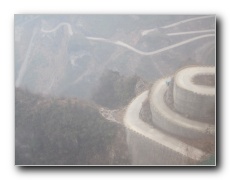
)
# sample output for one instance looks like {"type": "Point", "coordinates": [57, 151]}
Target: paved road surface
{"type": "Point", "coordinates": [133, 121]}
{"type": "Point", "coordinates": [120, 43]}
{"type": "Point", "coordinates": [145, 32]}
{"type": "Point", "coordinates": [191, 32]}
{"type": "Point", "coordinates": [25, 63]}
{"type": "Point", "coordinates": [157, 100]}
{"type": "Point", "coordinates": [70, 30]}
{"type": "Point", "coordinates": [184, 80]}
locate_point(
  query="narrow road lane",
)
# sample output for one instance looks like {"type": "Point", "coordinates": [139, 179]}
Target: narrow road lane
{"type": "Point", "coordinates": [133, 121]}
{"type": "Point", "coordinates": [184, 79]}
{"type": "Point", "coordinates": [145, 32]}
{"type": "Point", "coordinates": [191, 32]}
{"type": "Point", "coordinates": [122, 44]}
{"type": "Point", "coordinates": [157, 101]}
{"type": "Point", "coordinates": [70, 30]}
{"type": "Point", "coordinates": [25, 63]}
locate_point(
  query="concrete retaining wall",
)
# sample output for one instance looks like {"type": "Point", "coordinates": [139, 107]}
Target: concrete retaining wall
{"type": "Point", "coordinates": [194, 105]}
{"type": "Point", "coordinates": [163, 123]}
{"type": "Point", "coordinates": [147, 152]}
{"type": "Point", "coordinates": [192, 100]}
{"type": "Point", "coordinates": [170, 121]}
{"type": "Point", "coordinates": [151, 145]}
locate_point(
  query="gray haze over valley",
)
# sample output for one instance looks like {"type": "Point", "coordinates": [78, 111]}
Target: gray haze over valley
{"type": "Point", "coordinates": [114, 89]}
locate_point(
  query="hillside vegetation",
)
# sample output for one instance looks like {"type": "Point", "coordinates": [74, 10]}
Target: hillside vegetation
{"type": "Point", "coordinates": [63, 131]}
{"type": "Point", "coordinates": [115, 90]}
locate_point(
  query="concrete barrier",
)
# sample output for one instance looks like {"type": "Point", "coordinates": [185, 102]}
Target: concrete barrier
{"type": "Point", "coordinates": [146, 152]}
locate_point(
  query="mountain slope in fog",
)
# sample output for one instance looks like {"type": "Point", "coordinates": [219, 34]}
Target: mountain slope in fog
{"type": "Point", "coordinates": [59, 61]}
{"type": "Point", "coordinates": [52, 131]}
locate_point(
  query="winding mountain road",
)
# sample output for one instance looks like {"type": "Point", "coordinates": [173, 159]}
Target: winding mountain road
{"type": "Point", "coordinates": [191, 32]}
{"type": "Point", "coordinates": [25, 63]}
{"type": "Point", "coordinates": [70, 30]}
{"type": "Point", "coordinates": [145, 32]}
{"type": "Point", "coordinates": [157, 101]}
{"type": "Point", "coordinates": [133, 121]}
{"type": "Point", "coordinates": [186, 20]}
{"type": "Point", "coordinates": [122, 44]}
{"type": "Point", "coordinates": [131, 118]}
{"type": "Point", "coordinates": [185, 77]}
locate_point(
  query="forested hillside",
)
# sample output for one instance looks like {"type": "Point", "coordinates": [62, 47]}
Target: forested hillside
{"type": "Point", "coordinates": [63, 131]}
{"type": "Point", "coordinates": [115, 90]}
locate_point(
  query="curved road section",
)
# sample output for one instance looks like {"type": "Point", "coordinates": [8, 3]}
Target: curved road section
{"type": "Point", "coordinates": [171, 121]}
{"type": "Point", "coordinates": [184, 79]}
{"type": "Point", "coordinates": [26, 61]}
{"type": "Point", "coordinates": [133, 121]}
{"type": "Point", "coordinates": [69, 27]}
{"type": "Point", "coordinates": [196, 101]}
{"type": "Point", "coordinates": [145, 32]}
{"type": "Point", "coordinates": [191, 32]}
{"type": "Point", "coordinates": [122, 44]}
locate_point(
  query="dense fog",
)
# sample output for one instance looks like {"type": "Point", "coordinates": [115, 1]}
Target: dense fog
{"type": "Point", "coordinates": [114, 89]}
